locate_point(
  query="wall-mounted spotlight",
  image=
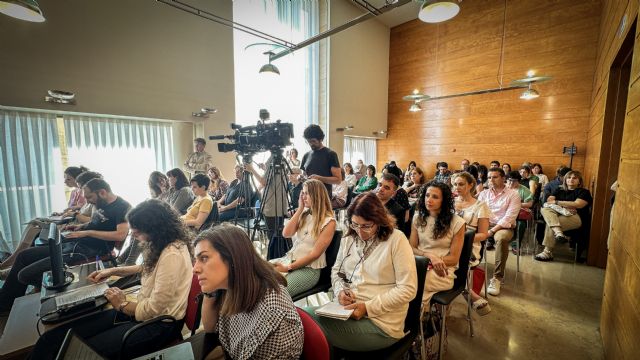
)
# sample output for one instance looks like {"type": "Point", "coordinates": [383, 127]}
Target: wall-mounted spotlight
{"type": "Point", "coordinates": [204, 112]}
{"type": "Point", "coordinates": [346, 128]}
{"type": "Point", "coordinates": [60, 97]}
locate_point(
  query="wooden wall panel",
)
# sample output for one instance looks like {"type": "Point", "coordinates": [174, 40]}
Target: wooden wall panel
{"type": "Point", "coordinates": [620, 316]}
{"type": "Point", "coordinates": [555, 37]}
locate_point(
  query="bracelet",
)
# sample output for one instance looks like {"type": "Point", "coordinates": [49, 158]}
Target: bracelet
{"type": "Point", "coordinates": [122, 305]}
{"type": "Point", "coordinates": [289, 269]}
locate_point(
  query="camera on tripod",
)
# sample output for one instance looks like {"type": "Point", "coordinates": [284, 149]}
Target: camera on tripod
{"type": "Point", "coordinates": [257, 138]}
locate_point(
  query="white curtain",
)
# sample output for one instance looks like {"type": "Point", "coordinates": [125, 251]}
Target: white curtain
{"type": "Point", "coordinates": [31, 180]}
{"type": "Point", "coordinates": [356, 148]}
{"type": "Point", "coordinates": [124, 151]}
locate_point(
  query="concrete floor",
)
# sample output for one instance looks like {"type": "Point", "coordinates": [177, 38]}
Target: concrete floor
{"type": "Point", "coordinates": [547, 311]}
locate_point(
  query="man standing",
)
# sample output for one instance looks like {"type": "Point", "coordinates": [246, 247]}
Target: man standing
{"type": "Point", "coordinates": [199, 161]}
{"type": "Point", "coordinates": [321, 163]}
{"type": "Point", "coordinates": [386, 189]}
{"type": "Point", "coordinates": [95, 238]}
{"type": "Point", "coordinates": [443, 175]}
{"type": "Point", "coordinates": [504, 204]}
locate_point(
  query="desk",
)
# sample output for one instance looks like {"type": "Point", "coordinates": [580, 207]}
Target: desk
{"type": "Point", "coordinates": [20, 333]}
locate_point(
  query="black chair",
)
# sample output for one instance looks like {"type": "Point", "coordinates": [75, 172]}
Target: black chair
{"type": "Point", "coordinates": [350, 196]}
{"type": "Point", "coordinates": [211, 218]}
{"type": "Point", "coordinates": [324, 283]}
{"type": "Point", "coordinates": [412, 325]}
{"type": "Point", "coordinates": [444, 298]}
{"type": "Point", "coordinates": [580, 236]}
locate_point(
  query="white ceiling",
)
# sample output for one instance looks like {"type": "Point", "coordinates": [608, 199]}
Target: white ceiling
{"type": "Point", "coordinates": [399, 15]}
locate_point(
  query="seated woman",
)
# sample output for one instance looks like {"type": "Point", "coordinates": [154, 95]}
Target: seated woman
{"type": "Point", "coordinates": [218, 186]}
{"type": "Point", "coordinates": [165, 284]}
{"type": "Point", "coordinates": [375, 275]}
{"type": "Point", "coordinates": [367, 183]}
{"type": "Point", "coordinates": [476, 216]}
{"type": "Point", "coordinates": [574, 198]}
{"type": "Point", "coordinates": [413, 188]}
{"type": "Point", "coordinates": [542, 178]}
{"type": "Point", "coordinates": [180, 196]}
{"type": "Point", "coordinates": [482, 184]}
{"type": "Point", "coordinates": [406, 179]}
{"type": "Point", "coordinates": [202, 206]}
{"type": "Point", "coordinates": [437, 233]}
{"type": "Point", "coordinates": [77, 208]}
{"type": "Point", "coordinates": [245, 303]}
{"type": "Point", "coordinates": [339, 193]}
{"type": "Point", "coordinates": [506, 167]}
{"type": "Point", "coordinates": [350, 176]}
{"type": "Point", "coordinates": [311, 229]}
{"type": "Point", "coordinates": [158, 186]}
{"type": "Point", "coordinates": [529, 180]}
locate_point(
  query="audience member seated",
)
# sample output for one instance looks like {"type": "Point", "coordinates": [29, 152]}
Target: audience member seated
{"type": "Point", "coordinates": [35, 226]}
{"type": "Point", "coordinates": [504, 204]}
{"type": "Point", "coordinates": [537, 171]}
{"type": "Point", "coordinates": [96, 238]}
{"type": "Point", "coordinates": [573, 200]}
{"type": "Point", "coordinates": [292, 159]}
{"type": "Point", "coordinates": [246, 304]}
{"type": "Point", "coordinates": [233, 199]}
{"type": "Point", "coordinates": [386, 190]}
{"type": "Point", "coordinates": [360, 169]}
{"type": "Point", "coordinates": [199, 211]}
{"type": "Point", "coordinates": [350, 176]}
{"type": "Point", "coordinates": [442, 173]}
{"type": "Point", "coordinates": [505, 167]}
{"type": "Point", "coordinates": [76, 199]}
{"type": "Point", "coordinates": [464, 164]}
{"type": "Point", "coordinates": [476, 215]}
{"type": "Point", "coordinates": [406, 179]}
{"type": "Point", "coordinates": [496, 164]}
{"type": "Point", "coordinates": [158, 186]}
{"type": "Point", "coordinates": [295, 186]}
{"type": "Point", "coordinates": [374, 275]}
{"type": "Point", "coordinates": [180, 196]}
{"type": "Point", "coordinates": [311, 229]}
{"type": "Point", "coordinates": [218, 185]}
{"type": "Point", "coordinates": [394, 169]}
{"type": "Point", "coordinates": [166, 280]}
{"type": "Point", "coordinates": [554, 184]}
{"type": "Point", "coordinates": [528, 179]}
{"type": "Point", "coordinates": [367, 183]}
{"type": "Point", "coordinates": [437, 233]}
{"type": "Point", "coordinates": [514, 181]}
{"type": "Point", "coordinates": [413, 188]}
{"type": "Point", "coordinates": [482, 183]}
{"type": "Point", "coordinates": [340, 193]}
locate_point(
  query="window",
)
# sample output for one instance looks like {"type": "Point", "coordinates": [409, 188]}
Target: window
{"type": "Point", "coordinates": [359, 149]}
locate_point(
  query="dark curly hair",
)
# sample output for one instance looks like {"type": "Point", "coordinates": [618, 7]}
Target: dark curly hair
{"type": "Point", "coordinates": [445, 216]}
{"type": "Point", "coordinates": [370, 208]}
{"type": "Point", "coordinates": [162, 225]}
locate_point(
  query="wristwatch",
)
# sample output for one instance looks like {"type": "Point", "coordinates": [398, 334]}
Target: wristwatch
{"type": "Point", "coordinates": [122, 305]}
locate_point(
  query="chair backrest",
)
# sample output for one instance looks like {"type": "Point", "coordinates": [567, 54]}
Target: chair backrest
{"type": "Point", "coordinates": [412, 321]}
{"type": "Point", "coordinates": [211, 218]}
{"type": "Point", "coordinates": [463, 264]}
{"type": "Point", "coordinates": [194, 305]}
{"type": "Point", "coordinates": [330, 254]}
{"type": "Point", "coordinates": [349, 197]}
{"type": "Point", "coordinates": [316, 346]}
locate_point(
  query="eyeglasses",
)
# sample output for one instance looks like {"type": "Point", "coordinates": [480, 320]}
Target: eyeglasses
{"type": "Point", "coordinates": [365, 227]}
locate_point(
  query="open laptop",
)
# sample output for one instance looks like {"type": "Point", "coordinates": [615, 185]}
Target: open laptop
{"type": "Point", "coordinates": [75, 348]}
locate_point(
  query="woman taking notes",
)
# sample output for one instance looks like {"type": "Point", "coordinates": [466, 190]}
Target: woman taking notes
{"type": "Point", "coordinates": [438, 234]}
{"type": "Point", "coordinates": [311, 229]}
{"type": "Point", "coordinates": [245, 303]}
{"type": "Point", "coordinates": [375, 276]}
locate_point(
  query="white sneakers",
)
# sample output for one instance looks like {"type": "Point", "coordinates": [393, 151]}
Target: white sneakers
{"type": "Point", "coordinates": [494, 287]}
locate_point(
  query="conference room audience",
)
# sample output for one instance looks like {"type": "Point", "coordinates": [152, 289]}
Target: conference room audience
{"type": "Point", "coordinates": [374, 275]}
{"type": "Point", "coordinates": [350, 175]}
{"type": "Point", "coordinates": [496, 164]}
{"type": "Point", "coordinates": [360, 169]}
{"type": "Point", "coordinates": [320, 163]}
{"type": "Point", "coordinates": [554, 184]}
{"type": "Point", "coordinates": [394, 169]}
{"type": "Point", "coordinates": [573, 201]}
{"type": "Point", "coordinates": [528, 179]}
{"type": "Point", "coordinates": [246, 304]}
{"type": "Point", "coordinates": [229, 203]}
{"type": "Point", "coordinates": [76, 198]}
{"type": "Point", "coordinates": [386, 190]}
{"type": "Point", "coordinates": [504, 204]}
{"type": "Point", "coordinates": [482, 183]}
{"type": "Point", "coordinates": [218, 185]}
{"type": "Point", "coordinates": [84, 214]}
{"type": "Point", "coordinates": [413, 188]}
{"type": "Point", "coordinates": [514, 181]}
{"type": "Point", "coordinates": [437, 233]}
{"type": "Point", "coordinates": [311, 230]}
{"type": "Point", "coordinates": [442, 173]}
{"type": "Point", "coordinates": [537, 171]}
{"type": "Point", "coordinates": [202, 205]}
{"type": "Point", "coordinates": [295, 187]}
{"type": "Point", "coordinates": [199, 161]}
{"type": "Point", "coordinates": [293, 160]}
{"type": "Point", "coordinates": [367, 183]}
{"type": "Point", "coordinates": [476, 217]}
{"type": "Point", "coordinates": [340, 192]}
{"type": "Point", "coordinates": [95, 238]}
{"type": "Point", "coordinates": [407, 173]}
{"type": "Point", "coordinates": [166, 273]}
{"type": "Point", "coordinates": [505, 167]}
{"type": "Point", "coordinates": [158, 186]}
{"type": "Point", "coordinates": [180, 196]}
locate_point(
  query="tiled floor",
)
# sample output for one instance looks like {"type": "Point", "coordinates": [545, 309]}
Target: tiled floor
{"type": "Point", "coordinates": [547, 311]}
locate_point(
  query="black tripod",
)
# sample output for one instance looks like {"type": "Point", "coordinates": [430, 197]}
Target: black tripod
{"type": "Point", "coordinates": [274, 204]}
{"type": "Point", "coordinates": [246, 199]}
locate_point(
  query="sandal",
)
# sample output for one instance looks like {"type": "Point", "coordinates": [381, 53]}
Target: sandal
{"type": "Point", "coordinates": [544, 256]}
{"type": "Point", "coordinates": [481, 306]}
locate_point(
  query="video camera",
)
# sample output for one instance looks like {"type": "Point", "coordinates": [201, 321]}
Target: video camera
{"type": "Point", "coordinates": [257, 138]}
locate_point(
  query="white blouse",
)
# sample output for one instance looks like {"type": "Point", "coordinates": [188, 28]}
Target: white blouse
{"type": "Point", "coordinates": [303, 243]}
{"type": "Point", "coordinates": [471, 214]}
{"type": "Point", "coordinates": [440, 247]}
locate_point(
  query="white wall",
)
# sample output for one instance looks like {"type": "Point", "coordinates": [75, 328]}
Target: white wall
{"type": "Point", "coordinates": [135, 58]}
{"type": "Point", "coordinates": [358, 75]}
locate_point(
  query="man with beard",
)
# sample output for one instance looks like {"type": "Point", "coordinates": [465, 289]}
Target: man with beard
{"type": "Point", "coordinates": [321, 163]}
{"type": "Point", "coordinates": [387, 188]}
{"type": "Point", "coordinates": [108, 225]}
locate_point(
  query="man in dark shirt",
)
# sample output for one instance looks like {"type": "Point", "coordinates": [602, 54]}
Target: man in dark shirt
{"type": "Point", "coordinates": [233, 198]}
{"type": "Point", "coordinates": [554, 184]}
{"type": "Point", "coordinates": [321, 163]}
{"type": "Point", "coordinates": [107, 226]}
{"type": "Point", "coordinates": [386, 189]}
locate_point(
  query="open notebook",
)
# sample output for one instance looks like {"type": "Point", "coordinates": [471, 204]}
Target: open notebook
{"type": "Point", "coordinates": [334, 310]}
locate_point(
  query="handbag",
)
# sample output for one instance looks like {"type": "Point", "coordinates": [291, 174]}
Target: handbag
{"type": "Point", "coordinates": [559, 209]}
{"type": "Point", "coordinates": [525, 214]}
{"type": "Point", "coordinates": [478, 279]}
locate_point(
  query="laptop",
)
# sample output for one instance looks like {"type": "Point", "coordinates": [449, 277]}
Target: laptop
{"type": "Point", "coordinates": [75, 348]}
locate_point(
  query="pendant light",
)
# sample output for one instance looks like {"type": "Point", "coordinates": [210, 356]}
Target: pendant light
{"type": "Point", "coordinates": [436, 11]}
{"type": "Point", "coordinates": [27, 10]}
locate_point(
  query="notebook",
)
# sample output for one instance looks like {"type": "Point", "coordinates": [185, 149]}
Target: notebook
{"type": "Point", "coordinates": [334, 310]}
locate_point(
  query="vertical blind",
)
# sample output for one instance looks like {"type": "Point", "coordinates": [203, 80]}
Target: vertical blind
{"type": "Point", "coordinates": [359, 149]}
